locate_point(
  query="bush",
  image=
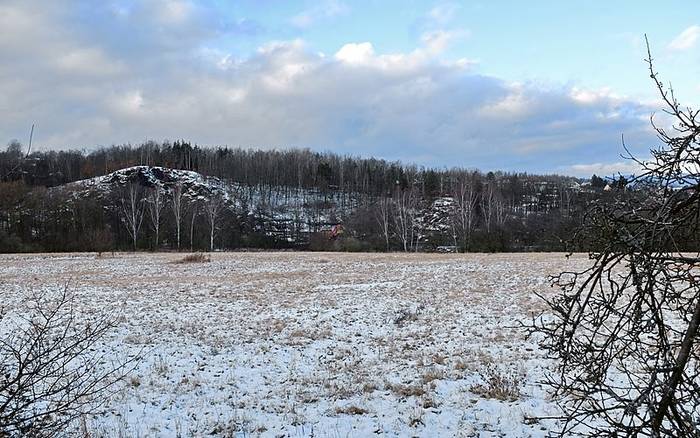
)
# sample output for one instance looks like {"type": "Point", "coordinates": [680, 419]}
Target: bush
{"type": "Point", "coordinates": [11, 243]}
{"type": "Point", "coordinates": [51, 373]}
{"type": "Point", "coordinates": [322, 242]}
{"type": "Point", "coordinates": [352, 244]}
{"type": "Point", "coordinates": [498, 385]}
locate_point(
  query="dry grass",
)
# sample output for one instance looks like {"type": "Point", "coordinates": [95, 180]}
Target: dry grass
{"type": "Point", "coordinates": [415, 419]}
{"type": "Point", "coordinates": [504, 386]}
{"type": "Point", "coordinates": [433, 374]}
{"type": "Point", "coordinates": [312, 334]}
{"type": "Point", "coordinates": [460, 365]}
{"type": "Point", "coordinates": [406, 390]}
{"type": "Point", "coordinates": [197, 257]}
{"type": "Point", "coordinates": [351, 410]}
{"type": "Point", "coordinates": [369, 387]}
{"type": "Point", "coordinates": [439, 358]}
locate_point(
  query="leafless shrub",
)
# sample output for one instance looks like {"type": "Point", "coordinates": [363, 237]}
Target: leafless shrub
{"type": "Point", "coordinates": [415, 418]}
{"type": "Point", "coordinates": [197, 257]}
{"type": "Point", "coordinates": [369, 387]}
{"type": "Point", "coordinates": [351, 410]}
{"type": "Point", "coordinates": [460, 365]}
{"type": "Point", "coordinates": [406, 390]}
{"type": "Point", "coordinates": [498, 385]}
{"type": "Point", "coordinates": [407, 315]}
{"type": "Point", "coordinates": [161, 367]}
{"type": "Point", "coordinates": [439, 358]}
{"type": "Point", "coordinates": [433, 374]}
{"type": "Point", "coordinates": [428, 402]}
{"type": "Point", "coordinates": [52, 372]}
{"type": "Point", "coordinates": [232, 427]}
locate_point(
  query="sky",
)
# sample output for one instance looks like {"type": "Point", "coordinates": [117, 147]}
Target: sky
{"type": "Point", "coordinates": [538, 86]}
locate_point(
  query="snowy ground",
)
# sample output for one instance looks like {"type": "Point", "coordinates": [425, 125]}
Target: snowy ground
{"type": "Point", "coordinates": [313, 344]}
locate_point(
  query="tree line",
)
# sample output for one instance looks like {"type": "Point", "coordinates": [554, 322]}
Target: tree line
{"type": "Point", "coordinates": [283, 198]}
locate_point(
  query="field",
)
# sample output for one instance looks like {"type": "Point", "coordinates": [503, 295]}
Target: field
{"type": "Point", "coordinates": [313, 344]}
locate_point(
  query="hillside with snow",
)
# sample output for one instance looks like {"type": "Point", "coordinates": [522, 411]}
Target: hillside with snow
{"type": "Point", "coordinates": [289, 215]}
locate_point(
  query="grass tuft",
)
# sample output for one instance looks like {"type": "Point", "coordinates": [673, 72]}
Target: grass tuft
{"type": "Point", "coordinates": [197, 257]}
{"type": "Point", "coordinates": [498, 385]}
{"type": "Point", "coordinates": [351, 410]}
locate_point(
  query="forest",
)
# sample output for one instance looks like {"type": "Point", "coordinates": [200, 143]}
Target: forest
{"type": "Point", "coordinates": [296, 199]}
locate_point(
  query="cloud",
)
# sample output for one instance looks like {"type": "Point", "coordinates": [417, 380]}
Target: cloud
{"type": "Point", "coordinates": [355, 53]}
{"type": "Point", "coordinates": [436, 34]}
{"type": "Point", "coordinates": [686, 40]}
{"type": "Point", "coordinates": [324, 10]}
{"type": "Point", "coordinates": [443, 13]}
{"type": "Point", "coordinates": [591, 97]}
{"type": "Point", "coordinates": [167, 81]}
{"type": "Point", "coordinates": [604, 169]}
{"type": "Point", "coordinates": [438, 40]}
{"type": "Point", "coordinates": [433, 44]}
{"type": "Point", "coordinates": [89, 62]}
{"type": "Point", "coordinates": [244, 26]}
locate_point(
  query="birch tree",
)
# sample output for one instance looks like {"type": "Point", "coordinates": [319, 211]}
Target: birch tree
{"type": "Point", "coordinates": [383, 213]}
{"type": "Point", "coordinates": [488, 205]}
{"type": "Point", "coordinates": [464, 213]}
{"type": "Point", "coordinates": [404, 205]}
{"type": "Point", "coordinates": [194, 208]}
{"type": "Point", "coordinates": [176, 208]}
{"type": "Point", "coordinates": [155, 205]}
{"type": "Point", "coordinates": [132, 210]}
{"type": "Point", "coordinates": [212, 209]}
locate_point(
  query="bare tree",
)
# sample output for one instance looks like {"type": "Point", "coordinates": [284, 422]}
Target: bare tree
{"type": "Point", "coordinates": [177, 209]}
{"type": "Point", "coordinates": [564, 191]}
{"type": "Point", "coordinates": [15, 149]}
{"type": "Point", "coordinates": [52, 371]}
{"type": "Point", "coordinates": [155, 204]}
{"type": "Point", "coordinates": [625, 330]}
{"type": "Point", "coordinates": [465, 202]}
{"type": "Point", "coordinates": [194, 212]}
{"type": "Point", "coordinates": [132, 210]}
{"type": "Point", "coordinates": [212, 209]}
{"type": "Point", "coordinates": [489, 204]}
{"type": "Point", "coordinates": [404, 209]}
{"type": "Point", "coordinates": [383, 212]}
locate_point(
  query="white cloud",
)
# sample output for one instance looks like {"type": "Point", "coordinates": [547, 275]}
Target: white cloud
{"type": "Point", "coordinates": [281, 46]}
{"type": "Point", "coordinates": [515, 104]}
{"type": "Point", "coordinates": [433, 44]}
{"type": "Point", "coordinates": [443, 13]}
{"type": "Point", "coordinates": [591, 96]}
{"type": "Point", "coordinates": [363, 55]}
{"type": "Point", "coordinates": [437, 41]}
{"type": "Point", "coordinates": [686, 40]}
{"type": "Point", "coordinates": [324, 10]}
{"type": "Point", "coordinates": [604, 169]}
{"type": "Point", "coordinates": [131, 103]}
{"type": "Point", "coordinates": [89, 61]}
{"type": "Point", "coordinates": [355, 53]}
{"type": "Point", "coordinates": [465, 63]}
{"type": "Point", "coordinates": [174, 12]}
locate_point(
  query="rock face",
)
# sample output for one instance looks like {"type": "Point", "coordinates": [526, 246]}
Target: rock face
{"type": "Point", "coordinates": [194, 185]}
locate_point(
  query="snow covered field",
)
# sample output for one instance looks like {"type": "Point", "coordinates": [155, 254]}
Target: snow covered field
{"type": "Point", "coordinates": [313, 344]}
